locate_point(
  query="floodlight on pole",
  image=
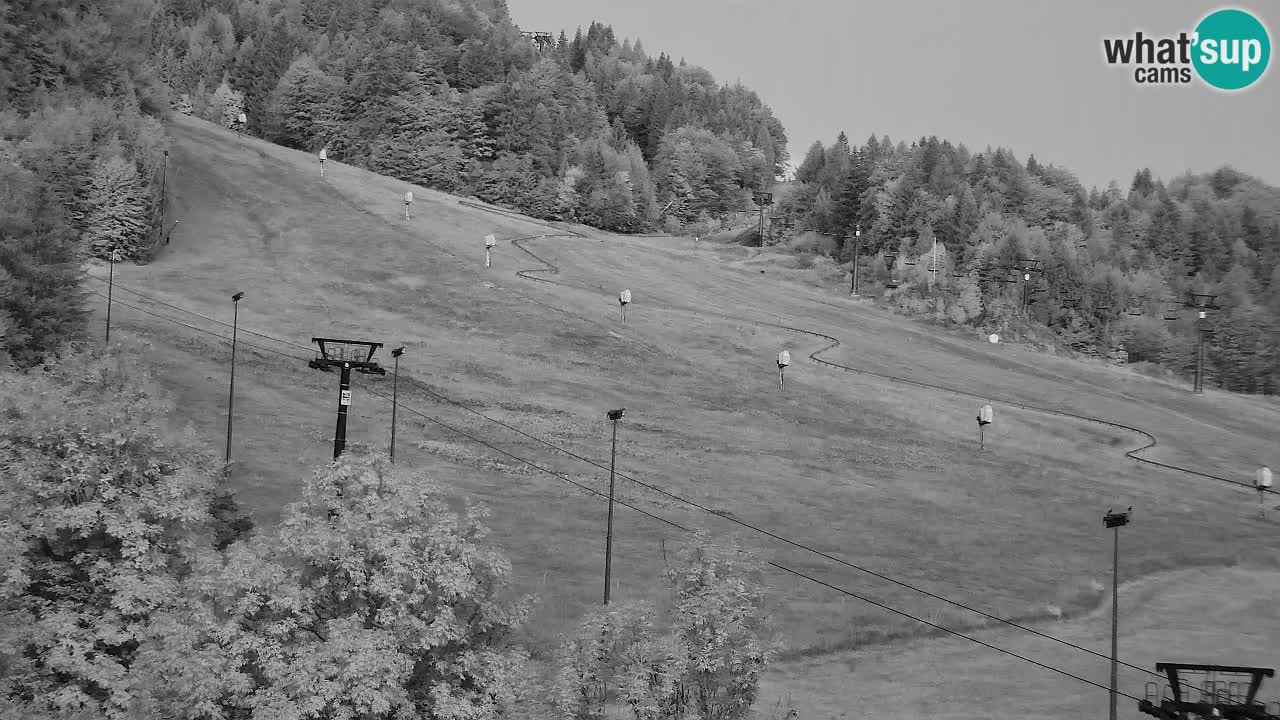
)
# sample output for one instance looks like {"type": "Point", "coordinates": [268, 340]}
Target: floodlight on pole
{"type": "Point", "coordinates": [231, 392]}
{"type": "Point", "coordinates": [395, 386]}
{"type": "Point", "coordinates": [624, 299]}
{"type": "Point", "coordinates": [164, 178]}
{"type": "Point", "coordinates": [489, 242]}
{"type": "Point", "coordinates": [1115, 521]}
{"type": "Point", "coordinates": [784, 359]}
{"type": "Point", "coordinates": [614, 416]}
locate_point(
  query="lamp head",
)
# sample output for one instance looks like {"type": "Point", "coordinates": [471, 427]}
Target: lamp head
{"type": "Point", "coordinates": [236, 297]}
{"type": "Point", "coordinates": [616, 415]}
{"type": "Point", "coordinates": [397, 352]}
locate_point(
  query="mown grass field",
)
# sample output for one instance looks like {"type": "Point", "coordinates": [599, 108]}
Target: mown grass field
{"type": "Point", "coordinates": [885, 475]}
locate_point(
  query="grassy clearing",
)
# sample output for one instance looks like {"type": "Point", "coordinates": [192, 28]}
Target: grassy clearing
{"type": "Point", "coordinates": [1181, 616]}
{"type": "Point", "coordinates": [886, 475]}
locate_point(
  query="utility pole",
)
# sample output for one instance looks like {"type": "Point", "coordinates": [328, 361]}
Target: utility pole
{"type": "Point", "coordinates": [857, 259]}
{"type": "Point", "coordinates": [231, 394]}
{"type": "Point", "coordinates": [111, 281]}
{"type": "Point", "coordinates": [395, 385]}
{"type": "Point", "coordinates": [345, 355]}
{"type": "Point", "coordinates": [615, 416]}
{"type": "Point", "coordinates": [1115, 521]}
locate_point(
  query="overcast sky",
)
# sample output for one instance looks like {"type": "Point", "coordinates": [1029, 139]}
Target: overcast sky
{"type": "Point", "coordinates": [1025, 74]}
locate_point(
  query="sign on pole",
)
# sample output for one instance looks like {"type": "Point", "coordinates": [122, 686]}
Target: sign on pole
{"type": "Point", "coordinates": [323, 155]}
{"type": "Point", "coordinates": [784, 359]}
{"type": "Point", "coordinates": [984, 419]}
{"type": "Point", "coordinates": [624, 297]}
{"type": "Point", "coordinates": [1263, 482]}
{"type": "Point", "coordinates": [408, 198]}
{"type": "Point", "coordinates": [346, 397]}
{"type": "Point", "coordinates": [489, 242]}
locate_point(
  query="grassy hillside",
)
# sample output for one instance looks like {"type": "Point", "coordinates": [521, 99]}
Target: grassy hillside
{"type": "Point", "coordinates": [1182, 616]}
{"type": "Point", "coordinates": [886, 475]}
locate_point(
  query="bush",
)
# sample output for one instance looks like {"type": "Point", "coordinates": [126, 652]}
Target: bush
{"type": "Point", "coordinates": [706, 664]}
{"type": "Point", "coordinates": [100, 519]}
{"type": "Point", "coordinates": [374, 599]}
{"type": "Point", "coordinates": [811, 243]}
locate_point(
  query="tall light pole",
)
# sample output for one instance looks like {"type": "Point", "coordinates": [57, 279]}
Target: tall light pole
{"type": "Point", "coordinates": [615, 416]}
{"type": "Point", "coordinates": [111, 281]}
{"type": "Point", "coordinates": [231, 394]}
{"type": "Point", "coordinates": [857, 259]}
{"type": "Point", "coordinates": [395, 384]}
{"type": "Point", "coordinates": [1115, 521]}
{"type": "Point", "coordinates": [164, 177]}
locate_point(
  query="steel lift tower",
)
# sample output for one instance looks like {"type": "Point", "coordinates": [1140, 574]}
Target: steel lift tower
{"type": "Point", "coordinates": [1201, 692]}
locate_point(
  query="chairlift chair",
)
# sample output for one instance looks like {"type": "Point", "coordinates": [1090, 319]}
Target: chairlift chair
{"type": "Point", "coordinates": [891, 259]}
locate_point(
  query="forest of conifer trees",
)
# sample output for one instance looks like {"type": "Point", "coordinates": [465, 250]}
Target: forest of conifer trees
{"type": "Point", "coordinates": [1116, 267]}
{"type": "Point", "coordinates": [450, 95]}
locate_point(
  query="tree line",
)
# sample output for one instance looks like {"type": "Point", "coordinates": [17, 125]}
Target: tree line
{"type": "Point", "coordinates": [1115, 270]}
{"type": "Point", "coordinates": [81, 159]}
{"type": "Point", "coordinates": [451, 96]}
{"type": "Point", "coordinates": [133, 586]}
{"type": "Point", "coordinates": [442, 93]}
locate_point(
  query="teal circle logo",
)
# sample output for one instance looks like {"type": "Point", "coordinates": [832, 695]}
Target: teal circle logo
{"type": "Point", "coordinates": [1232, 49]}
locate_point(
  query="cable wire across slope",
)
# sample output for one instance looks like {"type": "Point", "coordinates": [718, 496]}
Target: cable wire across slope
{"type": "Point", "coordinates": [550, 268]}
{"type": "Point", "coordinates": [603, 497]}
